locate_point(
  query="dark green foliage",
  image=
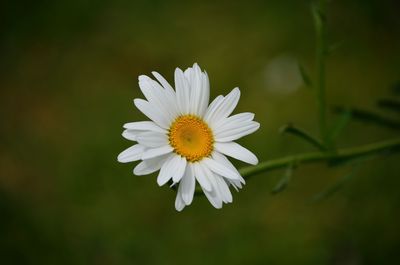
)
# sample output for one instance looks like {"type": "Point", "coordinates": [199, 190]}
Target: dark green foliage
{"type": "Point", "coordinates": [291, 129]}
{"type": "Point", "coordinates": [305, 76]}
{"type": "Point", "coordinates": [284, 180]}
{"type": "Point", "coordinates": [68, 76]}
{"type": "Point", "coordinates": [370, 117]}
{"type": "Point", "coordinates": [389, 104]}
{"type": "Point", "coordinates": [336, 187]}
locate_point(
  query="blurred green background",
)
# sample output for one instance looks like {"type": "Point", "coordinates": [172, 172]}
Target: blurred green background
{"type": "Point", "coordinates": [68, 77]}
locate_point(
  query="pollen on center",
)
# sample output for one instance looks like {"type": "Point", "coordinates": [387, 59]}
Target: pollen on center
{"type": "Point", "coordinates": [191, 138]}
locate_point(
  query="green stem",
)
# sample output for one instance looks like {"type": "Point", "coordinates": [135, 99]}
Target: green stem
{"type": "Point", "coordinates": [320, 28]}
{"type": "Point", "coordinates": [289, 128]}
{"type": "Point", "coordinates": [315, 157]}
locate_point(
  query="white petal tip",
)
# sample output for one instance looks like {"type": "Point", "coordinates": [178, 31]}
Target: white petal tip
{"type": "Point", "coordinates": [187, 200]}
{"type": "Point", "coordinates": [179, 208]}
{"type": "Point", "coordinates": [128, 136]}
{"type": "Point", "coordinates": [122, 159]}
{"type": "Point", "coordinates": [161, 183]}
{"type": "Point", "coordinates": [131, 154]}
{"type": "Point", "coordinates": [179, 203]}
{"type": "Point", "coordinates": [143, 78]}
{"type": "Point", "coordinates": [136, 101]}
{"type": "Point", "coordinates": [236, 90]}
{"type": "Point", "coordinates": [253, 161]}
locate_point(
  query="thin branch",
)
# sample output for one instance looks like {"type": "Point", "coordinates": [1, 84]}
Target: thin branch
{"type": "Point", "coordinates": [389, 104]}
{"type": "Point", "coordinates": [319, 13]}
{"type": "Point", "coordinates": [284, 181]}
{"type": "Point", "coordinates": [328, 192]}
{"type": "Point", "coordinates": [370, 117]}
{"type": "Point", "coordinates": [290, 128]}
{"type": "Point", "coordinates": [344, 154]}
{"type": "Point", "coordinates": [316, 157]}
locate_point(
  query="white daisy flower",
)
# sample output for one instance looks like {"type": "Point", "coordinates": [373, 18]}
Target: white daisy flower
{"type": "Point", "coordinates": [187, 139]}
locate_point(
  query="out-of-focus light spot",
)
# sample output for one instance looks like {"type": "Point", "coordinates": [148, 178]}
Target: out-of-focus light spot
{"type": "Point", "coordinates": [281, 75]}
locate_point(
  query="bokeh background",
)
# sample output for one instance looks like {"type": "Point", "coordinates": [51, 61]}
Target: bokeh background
{"type": "Point", "coordinates": [69, 73]}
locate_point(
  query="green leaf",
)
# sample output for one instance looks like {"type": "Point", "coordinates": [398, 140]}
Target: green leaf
{"type": "Point", "coordinates": [284, 181]}
{"type": "Point", "coordinates": [354, 160]}
{"type": "Point", "coordinates": [370, 117]}
{"type": "Point", "coordinates": [327, 193]}
{"type": "Point", "coordinates": [319, 18]}
{"type": "Point", "coordinates": [302, 134]}
{"type": "Point", "coordinates": [339, 125]}
{"type": "Point", "coordinates": [389, 104]}
{"type": "Point", "coordinates": [305, 76]}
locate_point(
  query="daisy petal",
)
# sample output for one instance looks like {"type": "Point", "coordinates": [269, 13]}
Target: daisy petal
{"type": "Point", "coordinates": [239, 132]}
{"type": "Point", "coordinates": [235, 183]}
{"type": "Point", "coordinates": [133, 153]}
{"type": "Point", "coordinates": [152, 139]}
{"type": "Point", "coordinates": [174, 168]}
{"type": "Point", "coordinates": [180, 169]}
{"type": "Point", "coordinates": [224, 191]}
{"type": "Point", "coordinates": [236, 151]}
{"type": "Point", "coordinates": [201, 177]}
{"type": "Point", "coordinates": [152, 112]}
{"type": "Point", "coordinates": [182, 91]}
{"type": "Point", "coordinates": [130, 134]}
{"type": "Point", "coordinates": [179, 203]}
{"type": "Point", "coordinates": [189, 73]}
{"type": "Point", "coordinates": [211, 109]}
{"type": "Point", "coordinates": [195, 89]}
{"type": "Point", "coordinates": [205, 95]}
{"type": "Point", "coordinates": [187, 185]}
{"type": "Point", "coordinates": [225, 161]}
{"type": "Point", "coordinates": [144, 126]}
{"type": "Point", "coordinates": [153, 94]}
{"type": "Point", "coordinates": [158, 96]}
{"type": "Point", "coordinates": [163, 82]}
{"type": "Point", "coordinates": [200, 89]}
{"type": "Point", "coordinates": [213, 197]}
{"type": "Point", "coordinates": [221, 169]}
{"type": "Point", "coordinates": [233, 121]}
{"type": "Point", "coordinates": [214, 183]}
{"type": "Point", "coordinates": [170, 95]}
{"type": "Point", "coordinates": [226, 107]}
{"type": "Point", "coordinates": [208, 174]}
{"type": "Point", "coordinates": [168, 169]}
{"type": "Point", "coordinates": [154, 152]}
{"type": "Point", "coordinates": [150, 165]}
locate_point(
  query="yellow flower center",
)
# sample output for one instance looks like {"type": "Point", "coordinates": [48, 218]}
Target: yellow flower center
{"type": "Point", "coordinates": [191, 138]}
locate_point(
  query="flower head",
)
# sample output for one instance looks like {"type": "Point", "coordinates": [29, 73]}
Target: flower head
{"type": "Point", "coordinates": [188, 140]}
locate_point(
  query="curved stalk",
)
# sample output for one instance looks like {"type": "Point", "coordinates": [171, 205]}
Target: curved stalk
{"type": "Point", "coordinates": [315, 157]}
{"type": "Point", "coordinates": [319, 12]}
